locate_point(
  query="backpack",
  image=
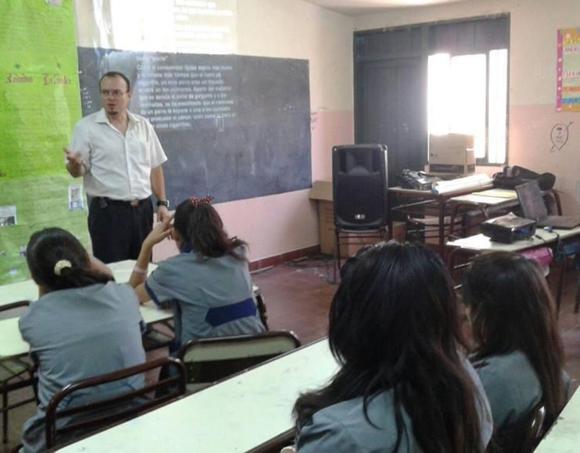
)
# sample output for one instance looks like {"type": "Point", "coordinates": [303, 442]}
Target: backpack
{"type": "Point", "coordinates": [511, 177]}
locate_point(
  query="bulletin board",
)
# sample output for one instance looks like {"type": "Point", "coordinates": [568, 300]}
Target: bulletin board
{"type": "Point", "coordinates": [39, 104]}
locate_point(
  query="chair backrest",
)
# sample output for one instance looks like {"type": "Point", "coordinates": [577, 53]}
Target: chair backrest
{"type": "Point", "coordinates": [17, 307]}
{"type": "Point", "coordinates": [523, 435]}
{"type": "Point", "coordinates": [531, 200]}
{"type": "Point", "coordinates": [99, 413]}
{"type": "Point", "coordinates": [210, 359]}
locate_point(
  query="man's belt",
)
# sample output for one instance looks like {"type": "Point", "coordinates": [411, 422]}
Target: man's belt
{"type": "Point", "coordinates": [104, 201]}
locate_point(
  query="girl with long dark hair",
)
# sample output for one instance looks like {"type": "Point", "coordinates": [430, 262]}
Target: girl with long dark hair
{"type": "Point", "coordinates": [208, 283]}
{"type": "Point", "coordinates": [83, 324]}
{"type": "Point", "coordinates": [518, 351]}
{"type": "Point", "coordinates": [404, 384]}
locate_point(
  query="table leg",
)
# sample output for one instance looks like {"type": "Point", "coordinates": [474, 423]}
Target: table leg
{"type": "Point", "coordinates": [563, 266]}
{"type": "Point", "coordinates": [390, 199]}
{"type": "Point", "coordinates": [442, 229]}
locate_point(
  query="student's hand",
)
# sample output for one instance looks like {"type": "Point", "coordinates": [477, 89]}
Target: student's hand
{"type": "Point", "coordinates": [74, 162]}
{"type": "Point", "coordinates": [161, 231]}
{"type": "Point", "coordinates": [163, 214]}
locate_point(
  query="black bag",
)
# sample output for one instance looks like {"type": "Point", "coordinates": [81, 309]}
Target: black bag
{"type": "Point", "coordinates": [511, 177]}
{"type": "Point", "coordinates": [417, 180]}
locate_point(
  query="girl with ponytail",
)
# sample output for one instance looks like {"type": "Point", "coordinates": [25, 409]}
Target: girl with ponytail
{"type": "Point", "coordinates": [83, 324]}
{"type": "Point", "coordinates": [57, 260]}
{"type": "Point", "coordinates": [208, 283]}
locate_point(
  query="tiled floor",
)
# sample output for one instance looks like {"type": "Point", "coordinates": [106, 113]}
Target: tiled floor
{"type": "Point", "coordinates": [298, 295]}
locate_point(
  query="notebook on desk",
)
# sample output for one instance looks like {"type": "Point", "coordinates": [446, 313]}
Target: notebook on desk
{"type": "Point", "coordinates": [534, 208]}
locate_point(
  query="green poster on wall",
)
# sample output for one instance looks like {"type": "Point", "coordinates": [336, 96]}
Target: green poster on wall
{"type": "Point", "coordinates": [39, 105]}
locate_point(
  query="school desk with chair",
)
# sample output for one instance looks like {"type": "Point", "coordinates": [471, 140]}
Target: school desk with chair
{"type": "Point", "coordinates": [479, 243]}
{"type": "Point", "coordinates": [12, 343]}
{"type": "Point", "coordinates": [236, 415]}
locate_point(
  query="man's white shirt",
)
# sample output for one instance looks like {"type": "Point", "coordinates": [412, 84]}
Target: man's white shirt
{"type": "Point", "coordinates": [118, 166]}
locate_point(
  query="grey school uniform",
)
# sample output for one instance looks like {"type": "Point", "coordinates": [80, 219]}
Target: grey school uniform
{"type": "Point", "coordinates": [511, 384]}
{"type": "Point", "coordinates": [212, 297]}
{"type": "Point", "coordinates": [76, 334]}
{"type": "Point", "coordinates": [343, 428]}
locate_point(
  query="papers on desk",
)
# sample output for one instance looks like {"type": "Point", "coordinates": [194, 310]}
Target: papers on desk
{"type": "Point", "coordinates": [492, 197]}
{"type": "Point", "coordinates": [460, 184]}
{"type": "Point", "coordinates": [506, 194]}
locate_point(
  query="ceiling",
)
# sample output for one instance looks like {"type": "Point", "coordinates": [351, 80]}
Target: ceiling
{"type": "Point", "coordinates": [359, 7]}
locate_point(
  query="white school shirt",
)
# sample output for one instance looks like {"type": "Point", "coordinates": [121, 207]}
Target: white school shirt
{"type": "Point", "coordinates": [118, 166]}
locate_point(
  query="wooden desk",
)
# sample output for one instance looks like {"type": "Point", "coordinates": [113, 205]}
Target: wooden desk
{"type": "Point", "coordinates": [12, 343]}
{"type": "Point", "coordinates": [564, 437]}
{"type": "Point", "coordinates": [421, 198]}
{"type": "Point", "coordinates": [487, 202]}
{"type": "Point", "coordinates": [235, 415]}
{"type": "Point", "coordinates": [491, 197]}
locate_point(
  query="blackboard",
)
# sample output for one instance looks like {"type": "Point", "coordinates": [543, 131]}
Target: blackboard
{"type": "Point", "coordinates": [232, 126]}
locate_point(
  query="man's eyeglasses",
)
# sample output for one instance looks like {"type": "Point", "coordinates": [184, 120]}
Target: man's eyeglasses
{"type": "Point", "coordinates": [112, 93]}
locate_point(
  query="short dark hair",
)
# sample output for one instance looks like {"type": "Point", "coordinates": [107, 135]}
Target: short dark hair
{"type": "Point", "coordinates": [116, 74]}
{"type": "Point", "coordinates": [51, 245]}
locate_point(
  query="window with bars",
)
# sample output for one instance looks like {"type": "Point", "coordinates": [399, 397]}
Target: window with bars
{"type": "Point", "coordinates": [462, 69]}
{"type": "Point", "coordinates": [467, 94]}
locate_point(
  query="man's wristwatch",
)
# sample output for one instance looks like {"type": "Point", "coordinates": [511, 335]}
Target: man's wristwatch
{"type": "Point", "coordinates": [163, 203]}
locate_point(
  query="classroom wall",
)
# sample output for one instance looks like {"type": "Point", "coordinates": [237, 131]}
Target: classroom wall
{"type": "Point", "coordinates": [532, 112]}
{"type": "Point", "coordinates": [282, 223]}
{"type": "Point", "coordinates": [294, 29]}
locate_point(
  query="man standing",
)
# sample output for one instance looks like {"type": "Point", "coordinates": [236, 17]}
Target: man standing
{"type": "Point", "coordinates": [120, 157]}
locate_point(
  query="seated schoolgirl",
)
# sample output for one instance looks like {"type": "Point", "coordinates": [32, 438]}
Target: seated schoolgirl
{"type": "Point", "coordinates": [83, 324]}
{"type": "Point", "coordinates": [208, 283]}
{"type": "Point", "coordinates": [404, 384]}
{"type": "Point", "coordinates": [518, 351]}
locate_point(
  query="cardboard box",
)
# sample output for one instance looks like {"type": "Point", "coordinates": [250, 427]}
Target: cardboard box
{"type": "Point", "coordinates": [451, 154]}
{"type": "Point", "coordinates": [322, 193]}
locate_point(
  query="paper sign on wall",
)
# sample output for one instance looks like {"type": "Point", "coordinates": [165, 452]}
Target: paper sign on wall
{"type": "Point", "coordinates": [568, 70]}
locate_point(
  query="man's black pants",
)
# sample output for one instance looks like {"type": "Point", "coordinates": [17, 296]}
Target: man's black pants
{"type": "Point", "coordinates": [118, 228]}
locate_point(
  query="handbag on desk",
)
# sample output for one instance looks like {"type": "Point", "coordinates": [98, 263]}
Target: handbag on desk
{"type": "Point", "coordinates": [511, 177]}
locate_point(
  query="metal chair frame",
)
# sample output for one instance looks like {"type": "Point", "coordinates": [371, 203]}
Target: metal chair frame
{"type": "Point", "coordinates": [103, 413]}
{"type": "Point", "coordinates": [20, 380]}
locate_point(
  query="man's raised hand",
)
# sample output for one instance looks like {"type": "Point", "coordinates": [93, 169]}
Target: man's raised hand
{"type": "Point", "coordinates": [74, 163]}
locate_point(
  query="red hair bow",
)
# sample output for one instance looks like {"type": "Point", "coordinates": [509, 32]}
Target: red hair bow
{"type": "Point", "coordinates": [196, 202]}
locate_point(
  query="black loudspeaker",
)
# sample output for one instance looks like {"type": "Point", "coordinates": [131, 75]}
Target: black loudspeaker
{"type": "Point", "coordinates": [359, 175]}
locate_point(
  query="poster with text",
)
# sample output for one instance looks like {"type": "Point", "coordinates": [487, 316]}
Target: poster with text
{"type": "Point", "coordinates": [39, 104]}
{"type": "Point", "coordinates": [568, 70]}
